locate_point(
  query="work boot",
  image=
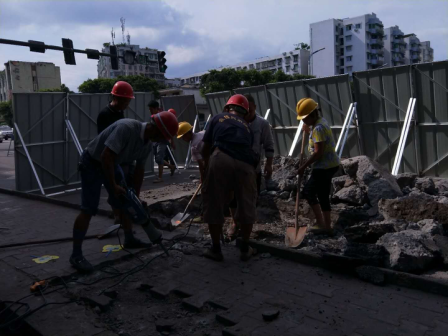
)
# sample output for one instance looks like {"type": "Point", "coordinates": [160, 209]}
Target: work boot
{"type": "Point", "coordinates": [135, 243]}
{"type": "Point", "coordinates": [245, 256]}
{"type": "Point", "coordinates": [213, 254]}
{"type": "Point", "coordinates": [81, 264]}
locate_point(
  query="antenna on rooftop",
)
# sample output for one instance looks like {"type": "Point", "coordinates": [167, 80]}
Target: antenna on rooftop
{"type": "Point", "coordinates": [123, 21]}
{"type": "Point", "coordinates": [128, 38]}
{"type": "Point", "coordinates": [112, 34]}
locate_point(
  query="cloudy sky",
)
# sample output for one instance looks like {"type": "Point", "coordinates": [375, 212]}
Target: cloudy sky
{"type": "Point", "coordinates": [199, 34]}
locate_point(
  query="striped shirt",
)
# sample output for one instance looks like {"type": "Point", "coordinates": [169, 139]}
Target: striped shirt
{"type": "Point", "coordinates": [126, 139]}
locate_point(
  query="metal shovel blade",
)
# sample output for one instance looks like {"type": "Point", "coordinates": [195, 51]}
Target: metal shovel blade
{"type": "Point", "coordinates": [294, 238]}
{"type": "Point", "coordinates": [179, 218]}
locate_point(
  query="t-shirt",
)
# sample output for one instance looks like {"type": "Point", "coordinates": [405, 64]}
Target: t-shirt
{"type": "Point", "coordinates": [107, 117]}
{"type": "Point", "coordinates": [196, 145]}
{"type": "Point", "coordinates": [125, 138]}
{"type": "Point", "coordinates": [232, 135]}
{"type": "Point", "coordinates": [322, 133]}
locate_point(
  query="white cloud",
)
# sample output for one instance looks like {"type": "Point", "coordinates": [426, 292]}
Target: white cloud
{"type": "Point", "coordinates": [180, 55]}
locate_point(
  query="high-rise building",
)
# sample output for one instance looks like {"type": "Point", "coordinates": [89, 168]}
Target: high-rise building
{"type": "Point", "coordinates": [394, 47]}
{"type": "Point", "coordinates": [150, 70]}
{"type": "Point", "coordinates": [291, 63]}
{"type": "Point", "coordinates": [351, 44]}
{"type": "Point", "coordinates": [23, 77]}
{"type": "Point", "coordinates": [426, 52]}
{"type": "Point", "coordinates": [412, 49]}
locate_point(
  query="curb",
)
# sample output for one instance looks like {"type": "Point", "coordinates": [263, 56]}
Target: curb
{"type": "Point", "coordinates": [49, 200]}
{"type": "Point", "coordinates": [354, 267]}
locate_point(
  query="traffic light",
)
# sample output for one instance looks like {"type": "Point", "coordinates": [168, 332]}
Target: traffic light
{"type": "Point", "coordinates": [69, 56]}
{"type": "Point", "coordinates": [37, 46]}
{"type": "Point", "coordinates": [129, 57]}
{"type": "Point", "coordinates": [114, 57]}
{"type": "Point", "coordinates": [162, 61]}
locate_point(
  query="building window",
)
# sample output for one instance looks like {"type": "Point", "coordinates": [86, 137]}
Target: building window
{"type": "Point", "coordinates": [368, 55]}
{"type": "Point", "coordinates": [358, 26]}
{"type": "Point", "coordinates": [349, 58]}
{"type": "Point", "coordinates": [238, 68]}
{"type": "Point", "coordinates": [385, 37]}
{"type": "Point", "coordinates": [296, 58]}
{"type": "Point", "coordinates": [287, 68]}
{"type": "Point", "coordinates": [348, 38]}
{"type": "Point", "coordinates": [287, 60]}
{"type": "Point", "coordinates": [349, 69]}
{"type": "Point", "coordinates": [258, 66]}
{"type": "Point", "coordinates": [348, 48]}
{"type": "Point", "coordinates": [279, 61]}
{"type": "Point", "coordinates": [348, 27]}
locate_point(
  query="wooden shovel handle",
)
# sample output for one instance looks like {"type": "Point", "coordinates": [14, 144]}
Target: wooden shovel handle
{"type": "Point", "coordinates": [299, 182]}
{"type": "Point", "coordinates": [193, 197]}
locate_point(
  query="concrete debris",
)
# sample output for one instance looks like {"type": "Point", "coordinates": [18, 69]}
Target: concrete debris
{"type": "Point", "coordinates": [406, 180]}
{"type": "Point", "coordinates": [372, 254]}
{"type": "Point", "coordinates": [350, 195]}
{"type": "Point", "coordinates": [285, 195]}
{"type": "Point", "coordinates": [409, 250]}
{"type": "Point", "coordinates": [426, 185]}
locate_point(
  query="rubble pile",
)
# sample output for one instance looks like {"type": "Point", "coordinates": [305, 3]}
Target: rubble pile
{"type": "Point", "coordinates": [396, 222]}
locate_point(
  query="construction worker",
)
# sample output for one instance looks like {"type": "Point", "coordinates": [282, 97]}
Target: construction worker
{"type": "Point", "coordinates": [323, 160]}
{"type": "Point", "coordinates": [122, 94]}
{"type": "Point", "coordinates": [186, 134]}
{"type": "Point", "coordinates": [124, 141]}
{"type": "Point", "coordinates": [160, 148]}
{"type": "Point", "coordinates": [230, 172]}
{"type": "Point", "coordinates": [263, 139]}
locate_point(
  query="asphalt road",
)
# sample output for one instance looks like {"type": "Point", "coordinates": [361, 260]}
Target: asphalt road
{"type": "Point", "coordinates": [7, 173]}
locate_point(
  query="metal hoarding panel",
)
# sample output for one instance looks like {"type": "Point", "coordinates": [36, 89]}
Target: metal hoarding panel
{"type": "Point", "coordinates": [216, 101]}
{"type": "Point", "coordinates": [185, 107]}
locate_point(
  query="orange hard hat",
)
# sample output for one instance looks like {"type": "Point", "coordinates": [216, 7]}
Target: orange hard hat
{"type": "Point", "coordinates": [123, 89]}
{"type": "Point", "coordinates": [167, 123]}
{"type": "Point", "coordinates": [238, 100]}
{"type": "Point", "coordinates": [173, 111]}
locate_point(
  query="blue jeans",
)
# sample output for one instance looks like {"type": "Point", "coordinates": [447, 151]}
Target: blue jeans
{"type": "Point", "coordinates": [92, 178]}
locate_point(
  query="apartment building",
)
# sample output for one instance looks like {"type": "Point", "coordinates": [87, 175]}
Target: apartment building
{"type": "Point", "coordinates": [291, 63]}
{"type": "Point", "coordinates": [351, 44]}
{"type": "Point", "coordinates": [28, 77]}
{"type": "Point", "coordinates": [150, 70]}
{"type": "Point", "coordinates": [426, 52]}
{"type": "Point", "coordinates": [394, 47]}
{"type": "Point", "coordinates": [412, 49]}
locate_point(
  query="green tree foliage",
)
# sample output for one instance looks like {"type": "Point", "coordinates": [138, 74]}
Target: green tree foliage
{"type": "Point", "coordinates": [229, 79]}
{"type": "Point", "coordinates": [63, 88]}
{"type": "Point", "coordinates": [104, 85]}
{"type": "Point", "coordinates": [6, 112]}
{"type": "Point", "coordinates": [302, 45]}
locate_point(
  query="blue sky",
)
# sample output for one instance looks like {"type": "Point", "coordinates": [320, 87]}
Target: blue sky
{"type": "Point", "coordinates": [199, 34]}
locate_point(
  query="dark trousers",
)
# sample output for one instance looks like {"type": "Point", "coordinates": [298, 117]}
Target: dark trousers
{"type": "Point", "coordinates": [317, 189]}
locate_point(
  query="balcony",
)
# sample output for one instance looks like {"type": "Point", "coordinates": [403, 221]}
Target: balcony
{"type": "Point", "coordinates": [414, 48]}
{"type": "Point", "coordinates": [414, 56]}
{"type": "Point", "coordinates": [377, 42]}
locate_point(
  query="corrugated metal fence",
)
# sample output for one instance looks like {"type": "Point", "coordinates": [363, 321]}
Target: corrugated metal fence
{"type": "Point", "coordinates": [333, 95]}
{"type": "Point", "coordinates": [383, 97]}
{"type": "Point", "coordinates": [43, 125]}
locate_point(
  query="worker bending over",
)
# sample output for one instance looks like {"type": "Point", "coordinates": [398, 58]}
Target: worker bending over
{"type": "Point", "coordinates": [324, 162]}
{"type": "Point", "coordinates": [186, 134]}
{"type": "Point", "coordinates": [263, 140]}
{"type": "Point", "coordinates": [124, 141]}
{"type": "Point", "coordinates": [161, 147]}
{"type": "Point", "coordinates": [230, 169]}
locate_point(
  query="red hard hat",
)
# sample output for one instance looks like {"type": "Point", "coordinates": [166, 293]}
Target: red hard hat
{"type": "Point", "coordinates": [123, 89]}
{"type": "Point", "coordinates": [173, 111]}
{"type": "Point", "coordinates": [167, 123]}
{"type": "Point", "coordinates": [238, 100]}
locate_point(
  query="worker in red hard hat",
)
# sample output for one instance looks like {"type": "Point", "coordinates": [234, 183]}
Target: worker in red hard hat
{"type": "Point", "coordinates": [230, 172]}
{"type": "Point", "coordinates": [124, 141]}
{"type": "Point", "coordinates": [122, 94]}
{"type": "Point", "coordinates": [161, 147]}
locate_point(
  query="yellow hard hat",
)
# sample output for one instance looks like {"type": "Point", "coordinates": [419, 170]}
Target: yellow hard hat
{"type": "Point", "coordinates": [184, 128]}
{"type": "Point", "coordinates": [305, 107]}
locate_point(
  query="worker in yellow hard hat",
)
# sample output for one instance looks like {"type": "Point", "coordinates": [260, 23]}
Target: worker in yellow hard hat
{"type": "Point", "coordinates": [323, 160]}
{"type": "Point", "coordinates": [185, 133]}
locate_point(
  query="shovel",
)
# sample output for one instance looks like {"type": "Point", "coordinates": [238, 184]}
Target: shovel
{"type": "Point", "coordinates": [295, 234]}
{"type": "Point", "coordinates": [182, 216]}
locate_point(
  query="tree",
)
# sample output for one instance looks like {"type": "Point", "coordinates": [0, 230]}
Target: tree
{"type": "Point", "coordinates": [6, 112]}
{"type": "Point", "coordinates": [63, 88]}
{"type": "Point", "coordinates": [105, 85]}
{"type": "Point", "coordinates": [229, 79]}
{"type": "Point", "coordinates": [302, 46]}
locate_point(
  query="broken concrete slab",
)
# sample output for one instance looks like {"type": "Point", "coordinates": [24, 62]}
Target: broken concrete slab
{"type": "Point", "coordinates": [371, 254]}
{"type": "Point", "coordinates": [352, 195]}
{"type": "Point", "coordinates": [406, 180]}
{"type": "Point", "coordinates": [426, 185]}
{"type": "Point", "coordinates": [408, 251]}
